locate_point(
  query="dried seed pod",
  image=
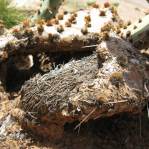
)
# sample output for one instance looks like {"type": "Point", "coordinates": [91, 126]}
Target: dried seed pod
{"type": "Point", "coordinates": [128, 23]}
{"type": "Point", "coordinates": [114, 19]}
{"type": "Point", "coordinates": [75, 14]}
{"type": "Point", "coordinates": [128, 34]}
{"type": "Point", "coordinates": [106, 27]}
{"type": "Point", "coordinates": [28, 33]}
{"type": "Point", "coordinates": [40, 29]}
{"type": "Point", "coordinates": [72, 18]}
{"type": "Point", "coordinates": [105, 35]}
{"type": "Point", "coordinates": [102, 55]}
{"type": "Point", "coordinates": [55, 38]}
{"type": "Point", "coordinates": [118, 31]}
{"type": "Point", "coordinates": [117, 78]}
{"type": "Point", "coordinates": [54, 21]}
{"type": "Point", "coordinates": [65, 12]}
{"type": "Point", "coordinates": [140, 20]}
{"type": "Point", "coordinates": [106, 4]}
{"type": "Point", "coordinates": [134, 27]}
{"type": "Point", "coordinates": [101, 98]}
{"type": "Point", "coordinates": [102, 13]}
{"type": "Point", "coordinates": [125, 27]}
{"type": "Point", "coordinates": [113, 10]}
{"type": "Point", "coordinates": [49, 23]}
{"type": "Point", "coordinates": [95, 5]}
{"type": "Point", "coordinates": [68, 24]}
{"type": "Point", "coordinates": [60, 29]}
{"type": "Point", "coordinates": [122, 35]}
{"type": "Point", "coordinates": [88, 24]}
{"type": "Point", "coordinates": [121, 23]}
{"type": "Point", "coordinates": [87, 18]}
{"type": "Point", "coordinates": [122, 60]}
{"type": "Point", "coordinates": [74, 21]}
{"type": "Point", "coordinates": [60, 16]}
{"type": "Point", "coordinates": [84, 30]}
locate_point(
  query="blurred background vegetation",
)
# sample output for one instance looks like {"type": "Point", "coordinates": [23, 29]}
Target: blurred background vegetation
{"type": "Point", "coordinates": [10, 15]}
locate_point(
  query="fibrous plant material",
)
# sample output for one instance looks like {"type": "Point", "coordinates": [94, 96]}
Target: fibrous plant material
{"type": "Point", "coordinates": [80, 90]}
{"type": "Point", "coordinates": [79, 29]}
{"type": "Point", "coordinates": [138, 32]}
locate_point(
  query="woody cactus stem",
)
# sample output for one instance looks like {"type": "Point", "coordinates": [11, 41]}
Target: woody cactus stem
{"type": "Point", "coordinates": [138, 32]}
{"type": "Point", "coordinates": [48, 9]}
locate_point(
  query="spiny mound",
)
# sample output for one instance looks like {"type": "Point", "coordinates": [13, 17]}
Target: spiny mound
{"type": "Point", "coordinates": [84, 89]}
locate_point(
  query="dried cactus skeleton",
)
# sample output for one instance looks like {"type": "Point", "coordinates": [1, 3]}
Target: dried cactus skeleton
{"type": "Point", "coordinates": [109, 81]}
{"type": "Point", "coordinates": [80, 90]}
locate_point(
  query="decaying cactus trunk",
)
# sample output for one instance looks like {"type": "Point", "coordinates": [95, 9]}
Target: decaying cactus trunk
{"type": "Point", "coordinates": [102, 84]}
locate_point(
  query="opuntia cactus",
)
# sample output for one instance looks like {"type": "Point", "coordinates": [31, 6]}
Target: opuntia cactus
{"type": "Point", "coordinates": [80, 29]}
{"type": "Point", "coordinates": [137, 32]}
{"type": "Point", "coordinates": [48, 9]}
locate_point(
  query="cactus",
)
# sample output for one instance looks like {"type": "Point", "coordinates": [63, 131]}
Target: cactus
{"type": "Point", "coordinates": [48, 9]}
{"type": "Point", "coordinates": [81, 91]}
{"type": "Point", "coordinates": [138, 32]}
{"type": "Point", "coordinates": [80, 30]}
